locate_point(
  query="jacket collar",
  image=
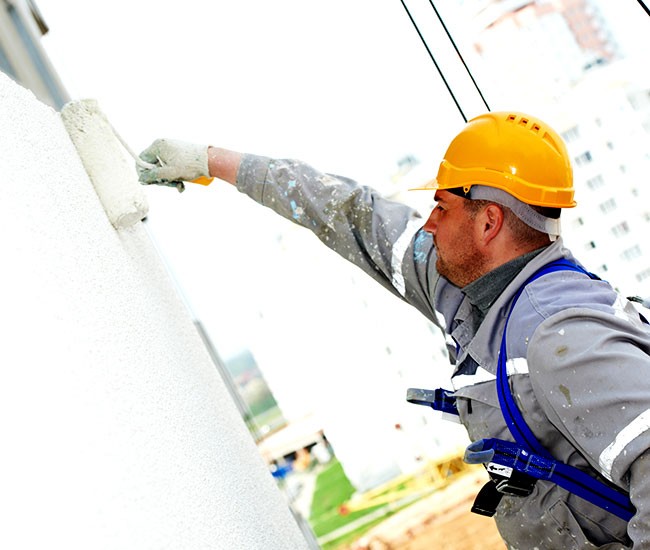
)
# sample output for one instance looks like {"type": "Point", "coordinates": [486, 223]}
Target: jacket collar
{"type": "Point", "coordinates": [481, 345]}
{"type": "Point", "coordinates": [483, 292]}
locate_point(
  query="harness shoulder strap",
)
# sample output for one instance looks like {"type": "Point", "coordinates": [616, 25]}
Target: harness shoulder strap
{"type": "Point", "coordinates": [568, 477]}
{"type": "Point", "coordinates": [514, 419]}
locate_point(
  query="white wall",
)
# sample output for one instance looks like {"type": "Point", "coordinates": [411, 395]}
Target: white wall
{"type": "Point", "coordinates": [116, 430]}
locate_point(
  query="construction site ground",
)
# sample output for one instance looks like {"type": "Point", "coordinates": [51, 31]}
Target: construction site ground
{"type": "Point", "coordinates": [442, 521]}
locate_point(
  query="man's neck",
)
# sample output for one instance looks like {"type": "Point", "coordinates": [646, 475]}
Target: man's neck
{"type": "Point", "coordinates": [484, 291]}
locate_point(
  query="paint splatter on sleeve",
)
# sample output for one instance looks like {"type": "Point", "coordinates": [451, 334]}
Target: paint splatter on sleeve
{"type": "Point", "coordinates": [380, 236]}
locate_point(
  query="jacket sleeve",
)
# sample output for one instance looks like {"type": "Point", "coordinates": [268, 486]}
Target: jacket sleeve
{"type": "Point", "coordinates": [591, 374]}
{"type": "Point", "coordinates": [382, 237]}
{"type": "Point", "coordinates": [639, 526]}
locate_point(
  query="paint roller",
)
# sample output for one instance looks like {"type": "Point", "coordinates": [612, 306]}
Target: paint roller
{"type": "Point", "coordinates": [108, 161]}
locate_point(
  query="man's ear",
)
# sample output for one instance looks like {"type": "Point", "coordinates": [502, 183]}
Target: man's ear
{"type": "Point", "coordinates": [492, 219]}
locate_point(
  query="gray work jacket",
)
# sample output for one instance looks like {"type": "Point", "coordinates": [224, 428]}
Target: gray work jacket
{"type": "Point", "coordinates": [577, 353]}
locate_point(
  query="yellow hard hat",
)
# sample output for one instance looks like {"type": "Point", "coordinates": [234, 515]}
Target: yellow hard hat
{"type": "Point", "coordinates": [511, 151]}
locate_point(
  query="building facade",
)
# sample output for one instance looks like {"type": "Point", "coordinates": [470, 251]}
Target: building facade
{"type": "Point", "coordinates": [560, 59]}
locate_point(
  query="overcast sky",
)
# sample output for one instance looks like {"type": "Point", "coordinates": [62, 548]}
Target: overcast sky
{"type": "Point", "coordinates": [344, 84]}
{"type": "Point", "coordinates": [347, 83]}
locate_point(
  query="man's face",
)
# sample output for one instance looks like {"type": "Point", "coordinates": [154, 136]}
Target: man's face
{"type": "Point", "coordinates": [454, 234]}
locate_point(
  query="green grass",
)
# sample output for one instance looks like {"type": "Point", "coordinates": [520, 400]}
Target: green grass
{"type": "Point", "coordinates": [332, 489]}
{"type": "Point", "coordinates": [353, 535]}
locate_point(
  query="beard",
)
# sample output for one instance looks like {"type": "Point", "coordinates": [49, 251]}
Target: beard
{"type": "Point", "coordinates": [464, 265]}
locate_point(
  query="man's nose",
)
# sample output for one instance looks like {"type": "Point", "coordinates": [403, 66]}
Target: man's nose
{"type": "Point", "coordinates": [431, 224]}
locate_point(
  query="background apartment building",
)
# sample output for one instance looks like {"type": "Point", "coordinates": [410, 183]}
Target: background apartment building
{"type": "Point", "coordinates": [561, 59]}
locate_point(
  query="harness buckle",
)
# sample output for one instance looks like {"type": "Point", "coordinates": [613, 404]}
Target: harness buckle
{"type": "Point", "coordinates": [487, 500]}
{"type": "Point", "coordinates": [438, 399]}
{"type": "Point", "coordinates": [509, 481]}
{"type": "Point", "coordinates": [503, 462]}
{"type": "Point", "coordinates": [503, 481]}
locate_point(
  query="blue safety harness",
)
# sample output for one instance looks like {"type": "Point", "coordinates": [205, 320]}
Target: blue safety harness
{"type": "Point", "coordinates": [514, 467]}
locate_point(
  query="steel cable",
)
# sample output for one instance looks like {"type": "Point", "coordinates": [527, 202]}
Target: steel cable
{"type": "Point", "coordinates": [424, 42]}
{"type": "Point", "coordinates": [459, 54]}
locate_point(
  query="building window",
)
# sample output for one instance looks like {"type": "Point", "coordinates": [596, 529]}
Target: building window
{"type": "Point", "coordinates": [621, 229]}
{"type": "Point", "coordinates": [603, 268]}
{"type": "Point", "coordinates": [631, 253]}
{"type": "Point", "coordinates": [571, 134]}
{"type": "Point", "coordinates": [643, 275]}
{"type": "Point", "coordinates": [595, 182]}
{"type": "Point", "coordinates": [583, 159]}
{"type": "Point", "coordinates": [607, 206]}
{"type": "Point", "coordinates": [590, 245]}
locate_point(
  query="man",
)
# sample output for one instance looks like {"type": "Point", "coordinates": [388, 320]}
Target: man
{"type": "Point", "coordinates": [575, 353]}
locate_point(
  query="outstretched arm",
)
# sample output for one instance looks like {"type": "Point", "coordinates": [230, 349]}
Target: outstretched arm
{"type": "Point", "coordinates": [382, 237]}
{"type": "Point", "coordinates": [224, 164]}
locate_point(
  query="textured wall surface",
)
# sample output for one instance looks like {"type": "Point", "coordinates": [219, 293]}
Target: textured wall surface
{"type": "Point", "coordinates": [116, 430]}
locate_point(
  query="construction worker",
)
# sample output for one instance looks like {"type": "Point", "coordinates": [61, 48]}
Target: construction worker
{"type": "Point", "coordinates": [489, 268]}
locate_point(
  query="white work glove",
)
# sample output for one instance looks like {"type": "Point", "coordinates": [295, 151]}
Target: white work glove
{"type": "Point", "coordinates": [170, 162]}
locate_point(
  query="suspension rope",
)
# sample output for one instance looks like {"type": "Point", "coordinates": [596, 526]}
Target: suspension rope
{"type": "Point", "coordinates": [459, 54]}
{"type": "Point", "coordinates": [644, 6]}
{"type": "Point", "coordinates": [434, 61]}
